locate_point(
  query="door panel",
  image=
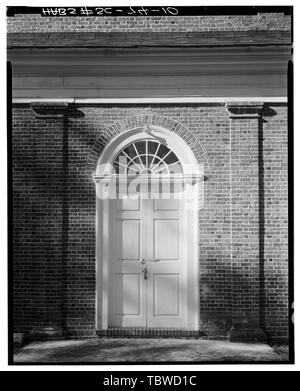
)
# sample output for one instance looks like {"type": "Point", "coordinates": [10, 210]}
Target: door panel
{"type": "Point", "coordinates": [161, 204]}
{"type": "Point", "coordinates": [128, 239]}
{"type": "Point", "coordinates": [166, 286]}
{"type": "Point", "coordinates": [128, 204]}
{"type": "Point", "coordinates": [128, 287]}
{"type": "Point", "coordinates": [166, 238]}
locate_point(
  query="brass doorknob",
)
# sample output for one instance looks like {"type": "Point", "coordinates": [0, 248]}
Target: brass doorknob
{"type": "Point", "coordinates": [145, 271]}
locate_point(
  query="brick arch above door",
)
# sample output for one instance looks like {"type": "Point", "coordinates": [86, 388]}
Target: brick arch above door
{"type": "Point", "coordinates": [119, 127]}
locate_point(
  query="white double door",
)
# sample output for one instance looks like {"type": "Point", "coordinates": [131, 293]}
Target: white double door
{"type": "Point", "coordinates": [147, 264]}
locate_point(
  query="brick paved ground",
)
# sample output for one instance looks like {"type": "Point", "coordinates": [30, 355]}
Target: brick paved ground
{"type": "Point", "coordinates": [151, 350]}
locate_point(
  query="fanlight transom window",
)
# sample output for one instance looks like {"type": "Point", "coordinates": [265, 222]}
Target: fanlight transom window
{"type": "Point", "coordinates": [147, 157]}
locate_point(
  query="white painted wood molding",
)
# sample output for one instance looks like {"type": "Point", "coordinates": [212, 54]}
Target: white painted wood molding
{"type": "Point", "coordinates": [159, 100]}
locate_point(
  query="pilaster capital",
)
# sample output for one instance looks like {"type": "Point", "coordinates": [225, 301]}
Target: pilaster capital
{"type": "Point", "coordinates": [55, 110]}
{"type": "Point", "coordinates": [243, 110]}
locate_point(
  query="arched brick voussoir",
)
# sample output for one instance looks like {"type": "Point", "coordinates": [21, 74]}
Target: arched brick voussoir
{"type": "Point", "coordinates": [113, 130]}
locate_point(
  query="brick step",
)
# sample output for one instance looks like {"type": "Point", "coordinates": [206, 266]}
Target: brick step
{"type": "Point", "coordinates": [150, 333]}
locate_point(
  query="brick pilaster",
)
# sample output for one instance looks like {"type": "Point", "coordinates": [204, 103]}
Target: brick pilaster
{"type": "Point", "coordinates": [54, 116]}
{"type": "Point", "coordinates": [246, 251]}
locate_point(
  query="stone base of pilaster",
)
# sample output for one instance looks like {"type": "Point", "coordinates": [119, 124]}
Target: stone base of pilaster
{"type": "Point", "coordinates": [48, 333]}
{"type": "Point", "coordinates": [19, 340]}
{"type": "Point", "coordinates": [247, 334]}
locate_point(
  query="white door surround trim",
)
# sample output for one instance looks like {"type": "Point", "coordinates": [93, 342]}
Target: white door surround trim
{"type": "Point", "coordinates": [194, 190]}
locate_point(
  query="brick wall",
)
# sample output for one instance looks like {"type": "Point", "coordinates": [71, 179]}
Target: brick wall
{"type": "Point", "coordinates": [54, 215]}
{"type": "Point", "coordinates": [36, 23]}
{"type": "Point", "coordinates": [37, 211]}
{"type": "Point", "coordinates": [275, 223]}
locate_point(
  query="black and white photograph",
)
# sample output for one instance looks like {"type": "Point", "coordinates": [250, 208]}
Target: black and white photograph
{"type": "Point", "coordinates": [150, 185]}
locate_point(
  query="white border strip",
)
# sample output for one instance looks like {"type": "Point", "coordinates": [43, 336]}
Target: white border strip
{"type": "Point", "coordinates": [275, 99]}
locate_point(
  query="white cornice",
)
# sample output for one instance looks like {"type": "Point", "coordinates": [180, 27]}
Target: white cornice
{"type": "Point", "coordinates": [159, 100]}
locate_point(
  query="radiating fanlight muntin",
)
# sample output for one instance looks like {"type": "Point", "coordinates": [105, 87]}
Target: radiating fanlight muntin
{"type": "Point", "coordinates": [147, 157]}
